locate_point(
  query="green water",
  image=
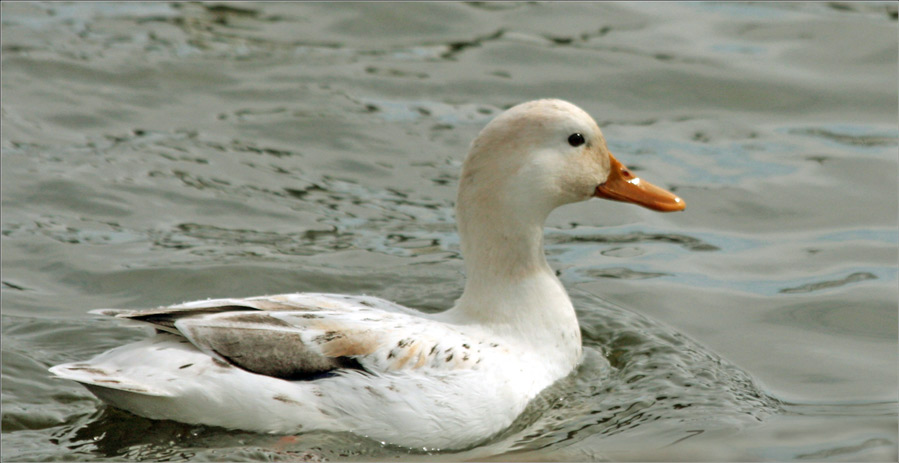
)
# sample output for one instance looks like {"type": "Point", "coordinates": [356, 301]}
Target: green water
{"type": "Point", "coordinates": [154, 153]}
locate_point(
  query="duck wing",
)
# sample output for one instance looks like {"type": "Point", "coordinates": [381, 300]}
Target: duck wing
{"type": "Point", "coordinates": [309, 336]}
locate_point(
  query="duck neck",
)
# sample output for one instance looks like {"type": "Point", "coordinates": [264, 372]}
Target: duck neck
{"type": "Point", "coordinates": [500, 252]}
{"type": "Point", "coordinates": [510, 288]}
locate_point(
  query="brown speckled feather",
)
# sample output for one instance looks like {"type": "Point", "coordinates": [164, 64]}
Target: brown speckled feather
{"type": "Point", "coordinates": [306, 336]}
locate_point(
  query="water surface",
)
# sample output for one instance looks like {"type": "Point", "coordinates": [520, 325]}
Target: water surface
{"type": "Point", "coordinates": [154, 153]}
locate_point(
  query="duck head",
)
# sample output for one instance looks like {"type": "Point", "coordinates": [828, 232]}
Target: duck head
{"type": "Point", "coordinates": [542, 154]}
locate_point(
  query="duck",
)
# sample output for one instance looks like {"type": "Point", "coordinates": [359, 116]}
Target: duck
{"type": "Point", "coordinates": [292, 363]}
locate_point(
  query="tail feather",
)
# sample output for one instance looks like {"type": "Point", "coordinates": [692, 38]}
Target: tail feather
{"type": "Point", "coordinates": [111, 312]}
{"type": "Point", "coordinates": [93, 375]}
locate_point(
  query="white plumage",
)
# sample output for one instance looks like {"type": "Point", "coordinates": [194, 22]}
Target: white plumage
{"type": "Point", "coordinates": [297, 362]}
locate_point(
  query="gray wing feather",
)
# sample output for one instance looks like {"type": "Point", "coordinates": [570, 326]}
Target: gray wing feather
{"type": "Point", "coordinates": [305, 336]}
{"type": "Point", "coordinates": [260, 343]}
{"type": "Point", "coordinates": [241, 331]}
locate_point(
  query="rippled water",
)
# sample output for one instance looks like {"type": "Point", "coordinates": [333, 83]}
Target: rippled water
{"type": "Point", "coordinates": [155, 153]}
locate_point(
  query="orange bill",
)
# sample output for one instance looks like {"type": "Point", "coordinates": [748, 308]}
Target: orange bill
{"type": "Point", "coordinates": [622, 185]}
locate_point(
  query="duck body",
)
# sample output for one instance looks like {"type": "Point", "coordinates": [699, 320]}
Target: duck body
{"type": "Point", "coordinates": [299, 362]}
{"type": "Point", "coordinates": [295, 362]}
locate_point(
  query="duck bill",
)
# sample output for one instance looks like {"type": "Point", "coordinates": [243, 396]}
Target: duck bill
{"type": "Point", "coordinates": [622, 185]}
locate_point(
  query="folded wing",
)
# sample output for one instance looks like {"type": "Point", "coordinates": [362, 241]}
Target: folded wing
{"type": "Point", "coordinates": [308, 336]}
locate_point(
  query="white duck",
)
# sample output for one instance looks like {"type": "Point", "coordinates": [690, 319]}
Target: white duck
{"type": "Point", "coordinates": [298, 362]}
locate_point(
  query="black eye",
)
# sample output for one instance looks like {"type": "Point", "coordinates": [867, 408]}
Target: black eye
{"type": "Point", "coordinates": [576, 139]}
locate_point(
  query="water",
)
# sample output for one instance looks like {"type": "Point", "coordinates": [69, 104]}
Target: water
{"type": "Point", "coordinates": [157, 153]}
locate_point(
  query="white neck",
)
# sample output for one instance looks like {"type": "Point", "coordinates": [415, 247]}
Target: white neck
{"type": "Point", "coordinates": [510, 288]}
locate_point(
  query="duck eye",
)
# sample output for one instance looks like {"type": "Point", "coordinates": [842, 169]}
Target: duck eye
{"type": "Point", "coordinates": [576, 139]}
